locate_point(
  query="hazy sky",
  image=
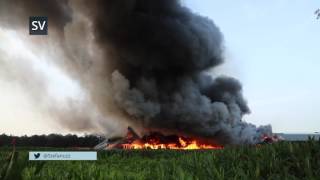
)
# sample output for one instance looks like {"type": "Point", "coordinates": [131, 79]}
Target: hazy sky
{"type": "Point", "coordinates": [271, 46]}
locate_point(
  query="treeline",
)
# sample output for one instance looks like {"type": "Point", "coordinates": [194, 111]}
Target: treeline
{"type": "Point", "coordinates": [51, 140]}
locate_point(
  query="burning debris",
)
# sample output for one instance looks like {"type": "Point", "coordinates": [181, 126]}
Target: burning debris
{"type": "Point", "coordinates": [271, 139]}
{"type": "Point", "coordinates": [154, 140]}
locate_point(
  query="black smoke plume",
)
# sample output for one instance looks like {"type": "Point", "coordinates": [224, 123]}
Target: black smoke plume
{"type": "Point", "coordinates": [159, 53]}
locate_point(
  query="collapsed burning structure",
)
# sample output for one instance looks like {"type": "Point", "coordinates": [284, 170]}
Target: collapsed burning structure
{"type": "Point", "coordinates": [155, 140]}
{"type": "Point", "coordinates": [151, 66]}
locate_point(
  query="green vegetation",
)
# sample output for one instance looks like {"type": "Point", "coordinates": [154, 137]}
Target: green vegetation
{"type": "Point", "coordinates": [285, 160]}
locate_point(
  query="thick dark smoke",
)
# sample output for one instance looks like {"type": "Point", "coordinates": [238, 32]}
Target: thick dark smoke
{"type": "Point", "coordinates": [160, 53]}
{"type": "Point", "coordinates": [154, 67]}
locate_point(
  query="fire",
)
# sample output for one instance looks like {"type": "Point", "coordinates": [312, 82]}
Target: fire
{"type": "Point", "coordinates": [271, 139]}
{"type": "Point", "coordinates": [155, 140]}
{"type": "Point", "coordinates": [181, 144]}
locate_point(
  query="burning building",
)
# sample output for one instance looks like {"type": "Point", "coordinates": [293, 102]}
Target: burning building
{"type": "Point", "coordinates": [155, 140]}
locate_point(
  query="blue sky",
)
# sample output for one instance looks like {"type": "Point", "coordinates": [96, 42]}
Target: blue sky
{"type": "Point", "coordinates": [273, 48]}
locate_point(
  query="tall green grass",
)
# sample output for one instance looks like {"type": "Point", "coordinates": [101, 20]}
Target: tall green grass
{"type": "Point", "coordinates": [4, 162]}
{"type": "Point", "coordinates": [285, 160]}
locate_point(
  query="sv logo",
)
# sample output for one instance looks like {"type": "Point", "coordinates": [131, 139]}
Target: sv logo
{"type": "Point", "coordinates": [38, 25]}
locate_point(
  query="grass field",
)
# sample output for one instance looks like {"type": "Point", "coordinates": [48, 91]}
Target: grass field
{"type": "Point", "coordinates": [285, 160]}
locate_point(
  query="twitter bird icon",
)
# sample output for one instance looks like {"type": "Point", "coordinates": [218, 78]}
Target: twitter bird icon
{"type": "Point", "coordinates": [37, 155]}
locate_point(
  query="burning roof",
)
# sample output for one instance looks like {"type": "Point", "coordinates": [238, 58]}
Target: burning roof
{"type": "Point", "coordinates": [155, 140]}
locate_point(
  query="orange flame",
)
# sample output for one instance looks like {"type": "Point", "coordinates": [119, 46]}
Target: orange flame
{"type": "Point", "coordinates": [181, 145]}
